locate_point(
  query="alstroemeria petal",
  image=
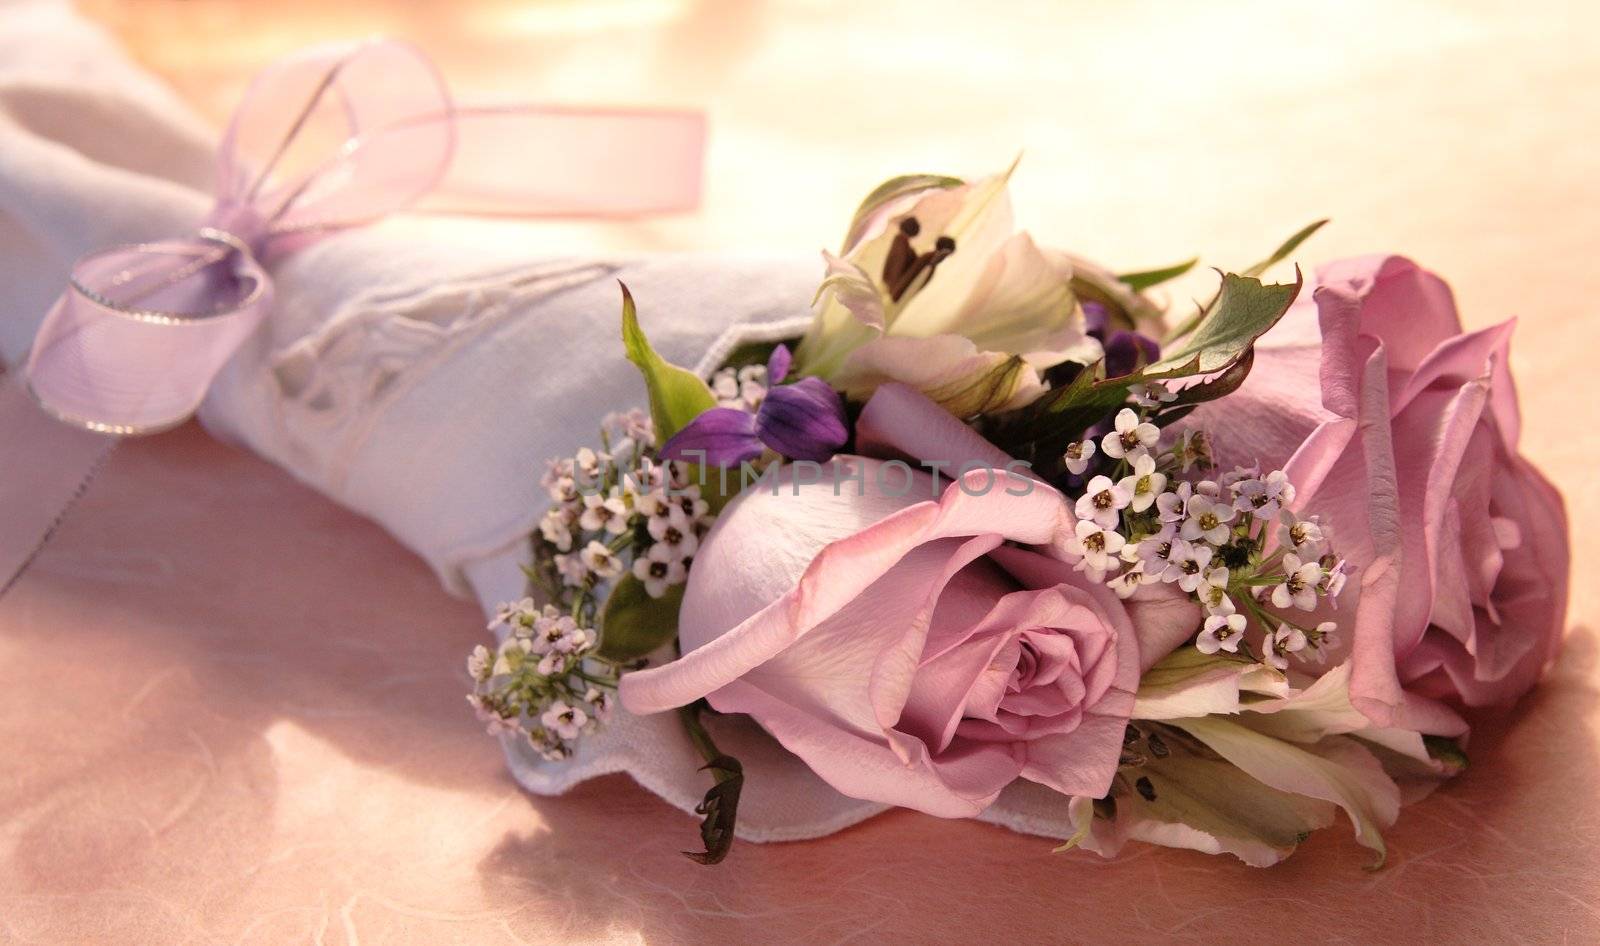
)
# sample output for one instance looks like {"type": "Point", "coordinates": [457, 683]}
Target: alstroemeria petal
{"type": "Point", "coordinates": [722, 436]}
{"type": "Point", "coordinates": [803, 421]}
{"type": "Point", "coordinates": [946, 368]}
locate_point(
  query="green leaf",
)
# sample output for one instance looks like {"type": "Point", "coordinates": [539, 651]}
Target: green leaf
{"type": "Point", "coordinates": [1144, 279]}
{"type": "Point", "coordinates": [1289, 246]}
{"type": "Point", "coordinates": [891, 190]}
{"type": "Point", "coordinates": [1063, 414]}
{"type": "Point", "coordinates": [635, 625]}
{"type": "Point", "coordinates": [677, 395]}
{"type": "Point", "coordinates": [1220, 386]}
{"type": "Point", "coordinates": [1243, 310]}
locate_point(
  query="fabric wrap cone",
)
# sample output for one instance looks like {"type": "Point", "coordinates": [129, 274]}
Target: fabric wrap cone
{"type": "Point", "coordinates": [412, 371]}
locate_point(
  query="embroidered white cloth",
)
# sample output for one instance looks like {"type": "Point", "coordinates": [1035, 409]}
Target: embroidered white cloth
{"type": "Point", "coordinates": [419, 380]}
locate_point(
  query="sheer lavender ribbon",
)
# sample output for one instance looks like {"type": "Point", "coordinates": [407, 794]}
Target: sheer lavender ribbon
{"type": "Point", "coordinates": [333, 138]}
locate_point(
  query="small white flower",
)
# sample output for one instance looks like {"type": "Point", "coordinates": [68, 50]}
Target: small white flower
{"type": "Point", "coordinates": [1128, 582]}
{"type": "Point", "coordinates": [675, 532]}
{"type": "Point", "coordinates": [659, 569]}
{"type": "Point", "coordinates": [1145, 484]}
{"type": "Point", "coordinates": [565, 721]}
{"type": "Point", "coordinates": [1192, 449]}
{"type": "Point", "coordinates": [1102, 502]}
{"type": "Point", "coordinates": [1078, 456]}
{"type": "Point", "coordinates": [479, 663]}
{"type": "Point", "coordinates": [1221, 632]}
{"type": "Point", "coordinates": [604, 512]}
{"type": "Point", "coordinates": [1097, 546]}
{"type": "Point", "coordinates": [1188, 564]}
{"type": "Point", "coordinates": [1215, 598]}
{"type": "Point", "coordinates": [556, 526]}
{"type": "Point", "coordinates": [1131, 436]}
{"type": "Point", "coordinates": [1299, 586]}
{"type": "Point", "coordinates": [1263, 497]}
{"type": "Point", "coordinates": [1208, 520]}
{"type": "Point", "coordinates": [1334, 573]}
{"type": "Point", "coordinates": [552, 664]}
{"type": "Point", "coordinates": [558, 481]}
{"type": "Point", "coordinates": [688, 499]}
{"type": "Point", "coordinates": [493, 723]}
{"type": "Point", "coordinates": [1152, 394]}
{"type": "Point", "coordinates": [512, 613]}
{"type": "Point", "coordinates": [572, 570]}
{"type": "Point", "coordinates": [599, 702]}
{"type": "Point", "coordinates": [1237, 475]}
{"type": "Point", "coordinates": [1155, 555]}
{"type": "Point", "coordinates": [1286, 640]}
{"type": "Point", "coordinates": [601, 560]}
{"type": "Point", "coordinates": [1173, 506]}
{"type": "Point", "coordinates": [1303, 536]}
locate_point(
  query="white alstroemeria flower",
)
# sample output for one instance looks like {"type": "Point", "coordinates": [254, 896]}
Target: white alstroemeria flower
{"type": "Point", "coordinates": [600, 560]}
{"type": "Point", "coordinates": [1221, 632]}
{"type": "Point", "coordinates": [1145, 484]}
{"type": "Point", "coordinates": [1102, 501]}
{"type": "Point", "coordinates": [1078, 456]}
{"type": "Point", "coordinates": [1207, 520]}
{"type": "Point", "coordinates": [1299, 586]}
{"type": "Point", "coordinates": [1098, 547]}
{"type": "Point", "coordinates": [1131, 437]}
{"type": "Point", "coordinates": [937, 292]}
{"type": "Point", "coordinates": [563, 720]}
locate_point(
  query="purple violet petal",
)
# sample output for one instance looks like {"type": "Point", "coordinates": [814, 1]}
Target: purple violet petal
{"type": "Point", "coordinates": [778, 365]}
{"type": "Point", "coordinates": [1095, 319]}
{"type": "Point", "coordinates": [803, 421]}
{"type": "Point", "coordinates": [1123, 352]}
{"type": "Point", "coordinates": [727, 436]}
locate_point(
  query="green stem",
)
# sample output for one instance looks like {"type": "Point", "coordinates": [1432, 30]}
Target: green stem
{"type": "Point", "coordinates": [703, 744]}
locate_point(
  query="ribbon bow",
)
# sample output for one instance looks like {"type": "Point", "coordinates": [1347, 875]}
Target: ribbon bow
{"type": "Point", "coordinates": [334, 138]}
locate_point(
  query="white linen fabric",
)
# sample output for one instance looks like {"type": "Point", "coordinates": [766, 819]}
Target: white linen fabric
{"type": "Point", "coordinates": [419, 381]}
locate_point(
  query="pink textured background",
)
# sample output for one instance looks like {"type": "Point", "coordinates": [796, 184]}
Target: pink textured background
{"type": "Point", "coordinates": [232, 713]}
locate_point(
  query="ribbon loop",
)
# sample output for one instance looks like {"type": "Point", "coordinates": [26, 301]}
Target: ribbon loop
{"type": "Point", "coordinates": [335, 137]}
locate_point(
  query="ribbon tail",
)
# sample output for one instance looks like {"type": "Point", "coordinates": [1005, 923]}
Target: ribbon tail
{"type": "Point", "coordinates": [45, 466]}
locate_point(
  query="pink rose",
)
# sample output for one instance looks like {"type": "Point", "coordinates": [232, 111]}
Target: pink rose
{"type": "Point", "coordinates": [1409, 457]}
{"type": "Point", "coordinates": [899, 646]}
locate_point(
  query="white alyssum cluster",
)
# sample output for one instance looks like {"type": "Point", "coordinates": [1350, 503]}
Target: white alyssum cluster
{"type": "Point", "coordinates": [617, 510]}
{"type": "Point", "coordinates": [1232, 542]}
{"type": "Point", "coordinates": [543, 682]}
{"type": "Point", "coordinates": [740, 388]}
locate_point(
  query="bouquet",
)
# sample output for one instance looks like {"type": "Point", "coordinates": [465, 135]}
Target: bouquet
{"type": "Point", "coordinates": [998, 520]}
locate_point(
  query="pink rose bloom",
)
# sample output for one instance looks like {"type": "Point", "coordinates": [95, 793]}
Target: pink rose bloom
{"type": "Point", "coordinates": [1407, 451]}
{"type": "Point", "coordinates": [899, 646]}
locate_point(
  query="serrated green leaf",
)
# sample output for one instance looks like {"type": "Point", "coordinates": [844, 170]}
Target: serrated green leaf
{"type": "Point", "coordinates": [1144, 279]}
{"type": "Point", "coordinates": [1220, 386]}
{"type": "Point", "coordinates": [677, 395]}
{"type": "Point", "coordinates": [635, 625]}
{"type": "Point", "coordinates": [1282, 252]}
{"type": "Point", "coordinates": [1244, 309]}
{"type": "Point", "coordinates": [890, 190]}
